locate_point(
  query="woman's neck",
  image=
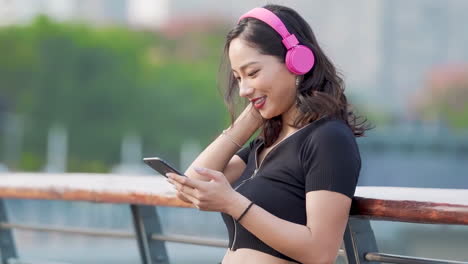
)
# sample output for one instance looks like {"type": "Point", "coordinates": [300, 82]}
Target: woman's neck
{"type": "Point", "coordinates": [288, 118]}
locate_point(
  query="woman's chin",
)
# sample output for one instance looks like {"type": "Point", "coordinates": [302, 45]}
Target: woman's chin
{"type": "Point", "coordinates": [268, 113]}
{"type": "Point", "coordinates": [264, 114]}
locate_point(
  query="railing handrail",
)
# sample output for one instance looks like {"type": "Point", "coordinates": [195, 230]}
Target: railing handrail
{"type": "Point", "coordinates": [418, 205]}
{"type": "Point", "coordinates": [414, 205]}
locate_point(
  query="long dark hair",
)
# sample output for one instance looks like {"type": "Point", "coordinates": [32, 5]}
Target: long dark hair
{"type": "Point", "coordinates": [321, 92]}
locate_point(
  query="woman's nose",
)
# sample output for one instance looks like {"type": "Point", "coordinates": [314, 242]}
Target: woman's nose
{"type": "Point", "coordinates": [245, 90]}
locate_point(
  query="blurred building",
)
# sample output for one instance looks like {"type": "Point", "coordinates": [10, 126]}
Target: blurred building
{"type": "Point", "coordinates": [148, 14]}
{"type": "Point", "coordinates": [384, 48]}
{"type": "Point", "coordinates": [90, 11]}
{"type": "Point", "coordinates": [416, 36]}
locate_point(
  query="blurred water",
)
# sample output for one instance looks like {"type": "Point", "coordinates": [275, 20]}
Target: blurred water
{"type": "Point", "coordinates": [36, 246]}
{"type": "Point", "coordinates": [427, 170]}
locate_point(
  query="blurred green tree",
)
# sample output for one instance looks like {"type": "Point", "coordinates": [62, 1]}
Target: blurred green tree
{"type": "Point", "coordinates": [445, 96]}
{"type": "Point", "coordinates": [104, 83]}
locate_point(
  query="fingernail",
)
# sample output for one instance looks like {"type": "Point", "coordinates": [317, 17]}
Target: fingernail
{"type": "Point", "coordinates": [198, 169]}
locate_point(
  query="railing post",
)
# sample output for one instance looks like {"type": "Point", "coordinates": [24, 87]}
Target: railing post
{"type": "Point", "coordinates": [7, 244]}
{"type": "Point", "coordinates": [359, 239]}
{"type": "Point", "coordinates": [146, 222]}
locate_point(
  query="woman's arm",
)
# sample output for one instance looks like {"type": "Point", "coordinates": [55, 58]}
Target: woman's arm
{"type": "Point", "coordinates": [316, 242]}
{"type": "Point", "coordinates": [219, 155]}
{"type": "Point", "coordinates": [330, 182]}
{"type": "Point", "coordinates": [331, 166]}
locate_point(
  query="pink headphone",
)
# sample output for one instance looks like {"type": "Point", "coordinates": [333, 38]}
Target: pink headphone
{"type": "Point", "coordinates": [299, 58]}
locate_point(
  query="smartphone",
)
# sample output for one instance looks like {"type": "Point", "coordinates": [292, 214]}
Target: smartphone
{"type": "Point", "coordinates": [161, 166]}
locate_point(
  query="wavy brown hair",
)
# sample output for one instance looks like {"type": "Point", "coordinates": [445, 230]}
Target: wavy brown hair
{"type": "Point", "coordinates": [320, 93]}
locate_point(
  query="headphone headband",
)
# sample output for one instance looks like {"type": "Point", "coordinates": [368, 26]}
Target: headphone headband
{"type": "Point", "coordinates": [299, 58]}
{"type": "Point", "coordinates": [265, 15]}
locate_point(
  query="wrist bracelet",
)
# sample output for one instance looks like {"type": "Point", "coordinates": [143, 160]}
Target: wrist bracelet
{"type": "Point", "coordinates": [245, 211]}
{"type": "Point", "coordinates": [231, 139]}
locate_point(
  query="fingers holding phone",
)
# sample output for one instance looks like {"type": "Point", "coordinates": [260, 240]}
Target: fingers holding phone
{"type": "Point", "coordinates": [161, 166]}
{"type": "Point", "coordinates": [182, 197]}
{"type": "Point", "coordinates": [164, 167]}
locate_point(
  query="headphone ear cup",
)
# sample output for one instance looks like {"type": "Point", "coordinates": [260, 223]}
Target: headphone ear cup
{"type": "Point", "coordinates": [299, 60]}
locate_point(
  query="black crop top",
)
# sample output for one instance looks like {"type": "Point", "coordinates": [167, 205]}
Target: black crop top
{"type": "Point", "coordinates": [322, 155]}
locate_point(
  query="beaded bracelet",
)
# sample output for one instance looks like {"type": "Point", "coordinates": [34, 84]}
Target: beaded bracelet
{"type": "Point", "coordinates": [231, 139]}
{"type": "Point", "coordinates": [245, 211]}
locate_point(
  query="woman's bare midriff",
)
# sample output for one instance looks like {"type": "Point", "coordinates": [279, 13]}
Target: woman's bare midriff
{"type": "Point", "coordinates": [250, 256]}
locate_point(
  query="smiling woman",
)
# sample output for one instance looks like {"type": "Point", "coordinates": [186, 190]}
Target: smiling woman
{"type": "Point", "coordinates": [293, 183]}
{"type": "Point", "coordinates": [316, 92]}
{"type": "Point", "coordinates": [265, 81]}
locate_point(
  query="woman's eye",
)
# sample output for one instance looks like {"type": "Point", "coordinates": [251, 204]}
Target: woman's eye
{"type": "Point", "coordinates": [253, 73]}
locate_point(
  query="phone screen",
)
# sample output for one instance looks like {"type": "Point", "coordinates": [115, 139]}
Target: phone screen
{"type": "Point", "coordinates": [161, 166]}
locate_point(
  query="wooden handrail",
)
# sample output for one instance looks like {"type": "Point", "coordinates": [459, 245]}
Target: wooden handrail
{"type": "Point", "coordinates": [415, 205]}
{"type": "Point", "coordinates": [418, 205]}
{"type": "Point", "coordinates": [99, 188]}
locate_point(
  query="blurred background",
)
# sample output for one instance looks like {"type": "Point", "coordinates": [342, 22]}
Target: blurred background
{"type": "Point", "coordinates": [96, 85]}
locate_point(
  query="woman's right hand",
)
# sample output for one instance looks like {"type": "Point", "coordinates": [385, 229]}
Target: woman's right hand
{"type": "Point", "coordinates": [245, 125]}
{"type": "Point", "coordinates": [253, 115]}
{"type": "Point", "coordinates": [182, 197]}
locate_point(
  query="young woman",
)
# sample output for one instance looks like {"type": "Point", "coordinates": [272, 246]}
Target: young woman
{"type": "Point", "coordinates": [286, 196]}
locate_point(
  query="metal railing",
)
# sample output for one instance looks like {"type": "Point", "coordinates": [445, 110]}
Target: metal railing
{"type": "Point", "coordinates": [144, 194]}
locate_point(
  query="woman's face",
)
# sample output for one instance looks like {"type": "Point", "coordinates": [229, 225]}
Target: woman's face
{"type": "Point", "coordinates": [262, 79]}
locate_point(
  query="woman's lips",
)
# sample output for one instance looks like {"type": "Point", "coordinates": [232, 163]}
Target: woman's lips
{"type": "Point", "coordinates": [259, 102]}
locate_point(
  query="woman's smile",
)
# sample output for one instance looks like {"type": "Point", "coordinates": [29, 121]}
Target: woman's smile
{"type": "Point", "coordinates": [259, 102]}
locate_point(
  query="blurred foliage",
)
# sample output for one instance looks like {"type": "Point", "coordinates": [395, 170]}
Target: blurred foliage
{"type": "Point", "coordinates": [453, 108]}
{"type": "Point", "coordinates": [366, 111]}
{"type": "Point", "coordinates": [104, 83]}
{"type": "Point", "coordinates": [445, 96]}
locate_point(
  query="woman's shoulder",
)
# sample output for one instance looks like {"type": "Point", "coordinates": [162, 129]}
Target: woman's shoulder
{"type": "Point", "coordinates": [328, 127]}
{"type": "Point", "coordinates": [331, 141]}
{"type": "Point", "coordinates": [328, 132]}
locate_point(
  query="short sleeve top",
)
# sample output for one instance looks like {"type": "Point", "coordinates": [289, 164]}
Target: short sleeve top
{"type": "Point", "coordinates": [322, 155]}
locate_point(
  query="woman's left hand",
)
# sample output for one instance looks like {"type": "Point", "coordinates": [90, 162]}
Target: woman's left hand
{"type": "Point", "coordinates": [214, 195]}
